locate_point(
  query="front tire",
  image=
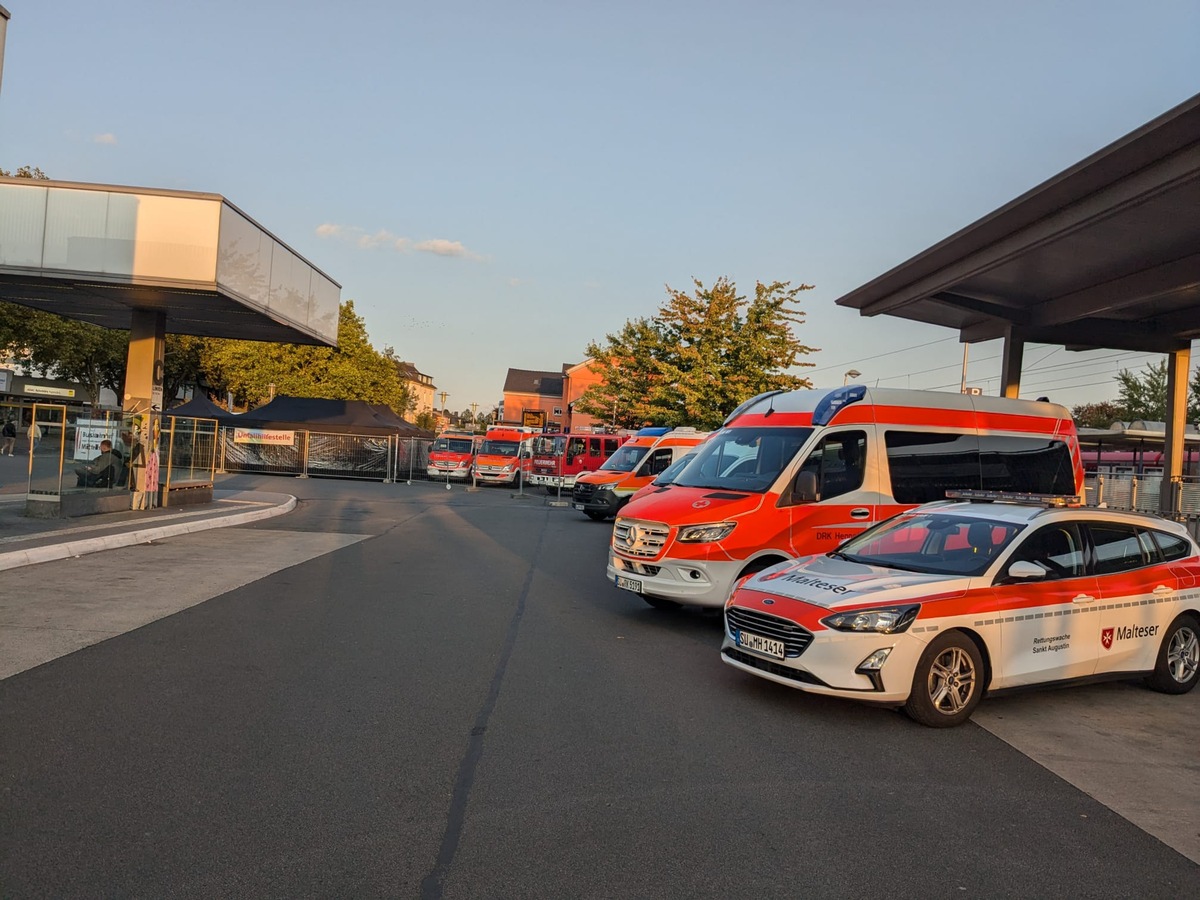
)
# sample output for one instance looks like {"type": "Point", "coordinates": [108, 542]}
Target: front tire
{"type": "Point", "coordinates": [595, 516]}
{"type": "Point", "coordinates": [1177, 668]}
{"type": "Point", "coordinates": [948, 682]}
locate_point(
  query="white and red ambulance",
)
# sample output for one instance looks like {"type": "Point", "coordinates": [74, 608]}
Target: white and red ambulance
{"type": "Point", "coordinates": [941, 605]}
{"type": "Point", "coordinates": [799, 472]}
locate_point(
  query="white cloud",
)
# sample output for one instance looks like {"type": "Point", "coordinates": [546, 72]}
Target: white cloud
{"type": "Point", "coordinates": [106, 138]}
{"type": "Point", "coordinates": [385, 238]}
{"type": "Point", "coordinates": [378, 239]}
{"type": "Point", "coordinates": [443, 247]}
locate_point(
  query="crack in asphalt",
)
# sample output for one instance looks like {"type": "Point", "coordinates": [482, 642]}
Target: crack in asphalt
{"type": "Point", "coordinates": [431, 885]}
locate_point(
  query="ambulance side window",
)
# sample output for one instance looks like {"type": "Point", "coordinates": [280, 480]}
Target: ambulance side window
{"type": "Point", "coordinates": [658, 461]}
{"type": "Point", "coordinates": [1057, 548]}
{"type": "Point", "coordinates": [838, 463]}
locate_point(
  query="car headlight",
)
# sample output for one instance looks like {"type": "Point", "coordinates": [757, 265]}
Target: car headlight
{"type": "Point", "coordinates": [885, 620]}
{"type": "Point", "coordinates": [704, 534]}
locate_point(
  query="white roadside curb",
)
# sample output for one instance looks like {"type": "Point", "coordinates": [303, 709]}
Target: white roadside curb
{"type": "Point", "coordinates": [14, 559]}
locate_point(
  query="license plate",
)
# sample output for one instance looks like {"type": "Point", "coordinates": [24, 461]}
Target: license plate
{"type": "Point", "coordinates": [632, 584]}
{"type": "Point", "coordinates": [580, 507]}
{"type": "Point", "coordinates": [760, 644]}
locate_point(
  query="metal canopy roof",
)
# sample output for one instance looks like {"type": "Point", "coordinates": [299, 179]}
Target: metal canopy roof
{"type": "Point", "coordinates": [1104, 255]}
{"type": "Point", "coordinates": [97, 252]}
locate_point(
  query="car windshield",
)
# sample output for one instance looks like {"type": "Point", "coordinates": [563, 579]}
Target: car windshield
{"type": "Point", "coordinates": [932, 543]}
{"type": "Point", "coordinates": [453, 445]}
{"type": "Point", "coordinates": [548, 446]}
{"type": "Point", "coordinates": [743, 459]}
{"type": "Point", "coordinates": [499, 448]}
{"type": "Point", "coordinates": [667, 475]}
{"type": "Point", "coordinates": [624, 459]}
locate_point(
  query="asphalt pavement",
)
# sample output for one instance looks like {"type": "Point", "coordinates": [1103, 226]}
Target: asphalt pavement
{"type": "Point", "coordinates": [397, 690]}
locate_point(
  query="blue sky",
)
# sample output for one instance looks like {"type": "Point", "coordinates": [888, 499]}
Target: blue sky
{"type": "Point", "coordinates": [495, 184]}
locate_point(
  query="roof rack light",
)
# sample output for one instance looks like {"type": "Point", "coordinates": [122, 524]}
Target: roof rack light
{"type": "Point", "coordinates": [1047, 500]}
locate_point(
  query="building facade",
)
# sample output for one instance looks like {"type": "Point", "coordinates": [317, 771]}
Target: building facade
{"type": "Point", "coordinates": [420, 386]}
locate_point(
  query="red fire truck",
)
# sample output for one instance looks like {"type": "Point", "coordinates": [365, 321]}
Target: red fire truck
{"type": "Point", "coordinates": [558, 458]}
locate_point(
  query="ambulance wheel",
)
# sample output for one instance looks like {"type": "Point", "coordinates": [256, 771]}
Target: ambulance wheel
{"type": "Point", "coordinates": [661, 602]}
{"type": "Point", "coordinates": [948, 682]}
{"type": "Point", "coordinates": [595, 516]}
{"type": "Point", "coordinates": [1177, 668]}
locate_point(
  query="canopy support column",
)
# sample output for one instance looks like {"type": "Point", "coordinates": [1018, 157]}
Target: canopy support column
{"type": "Point", "coordinates": [1178, 363]}
{"type": "Point", "coordinates": [144, 364]}
{"type": "Point", "coordinates": [1013, 353]}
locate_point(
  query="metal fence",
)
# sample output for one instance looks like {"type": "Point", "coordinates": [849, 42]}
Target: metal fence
{"type": "Point", "coordinates": [320, 454]}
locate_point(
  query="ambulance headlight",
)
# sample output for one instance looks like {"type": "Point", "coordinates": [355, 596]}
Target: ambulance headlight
{"type": "Point", "coordinates": [705, 534]}
{"type": "Point", "coordinates": [885, 620]}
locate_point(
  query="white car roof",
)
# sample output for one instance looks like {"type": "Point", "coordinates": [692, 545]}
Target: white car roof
{"type": "Point", "coordinates": [1025, 513]}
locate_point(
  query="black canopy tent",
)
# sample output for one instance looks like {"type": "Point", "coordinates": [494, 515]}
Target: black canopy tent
{"type": "Point", "coordinates": [200, 407]}
{"type": "Point", "coordinates": [330, 417]}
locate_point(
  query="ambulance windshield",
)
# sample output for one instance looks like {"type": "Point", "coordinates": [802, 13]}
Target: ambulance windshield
{"type": "Point", "coordinates": [452, 445]}
{"type": "Point", "coordinates": [624, 459]}
{"type": "Point", "coordinates": [499, 448]}
{"type": "Point", "coordinates": [743, 459]}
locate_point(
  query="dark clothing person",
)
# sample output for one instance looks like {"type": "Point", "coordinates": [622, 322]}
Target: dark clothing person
{"type": "Point", "coordinates": [101, 471]}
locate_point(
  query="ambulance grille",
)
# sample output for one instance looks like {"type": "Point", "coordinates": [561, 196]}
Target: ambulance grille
{"type": "Point", "coordinates": [795, 637]}
{"type": "Point", "coordinates": [642, 539]}
{"type": "Point", "coordinates": [583, 491]}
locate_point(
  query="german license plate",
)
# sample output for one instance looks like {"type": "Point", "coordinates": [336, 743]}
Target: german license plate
{"type": "Point", "coordinates": [632, 584]}
{"type": "Point", "coordinates": [580, 507]}
{"type": "Point", "coordinates": [759, 644]}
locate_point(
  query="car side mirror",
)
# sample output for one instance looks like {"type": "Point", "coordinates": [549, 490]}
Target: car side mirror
{"type": "Point", "coordinates": [1023, 570]}
{"type": "Point", "coordinates": [805, 488]}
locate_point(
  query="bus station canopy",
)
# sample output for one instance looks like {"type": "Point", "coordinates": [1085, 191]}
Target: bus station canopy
{"type": "Point", "coordinates": [96, 253]}
{"type": "Point", "coordinates": [1103, 255]}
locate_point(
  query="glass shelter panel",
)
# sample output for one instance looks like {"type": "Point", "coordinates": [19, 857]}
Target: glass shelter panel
{"type": "Point", "coordinates": [22, 225]}
{"type": "Point", "coordinates": [45, 432]}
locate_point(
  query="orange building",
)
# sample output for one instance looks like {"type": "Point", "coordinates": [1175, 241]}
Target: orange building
{"type": "Point", "coordinates": [531, 391]}
{"type": "Point", "coordinates": [577, 379]}
{"type": "Point", "coordinates": [552, 393]}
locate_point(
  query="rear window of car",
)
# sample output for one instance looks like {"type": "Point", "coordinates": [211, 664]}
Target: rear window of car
{"type": "Point", "coordinates": [1172, 546]}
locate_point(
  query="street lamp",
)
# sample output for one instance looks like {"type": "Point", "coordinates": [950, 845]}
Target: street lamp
{"type": "Point", "coordinates": [474, 406]}
{"type": "Point", "coordinates": [853, 373]}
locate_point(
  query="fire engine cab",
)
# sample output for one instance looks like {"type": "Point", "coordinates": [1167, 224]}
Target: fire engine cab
{"type": "Point", "coordinates": [558, 459]}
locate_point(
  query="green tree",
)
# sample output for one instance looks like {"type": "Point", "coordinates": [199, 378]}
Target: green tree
{"type": "Point", "coordinates": [26, 172]}
{"type": "Point", "coordinates": [703, 354]}
{"type": "Point", "coordinates": [1096, 415]}
{"type": "Point", "coordinates": [54, 347]}
{"type": "Point", "coordinates": [353, 370]}
{"type": "Point", "coordinates": [1144, 396]}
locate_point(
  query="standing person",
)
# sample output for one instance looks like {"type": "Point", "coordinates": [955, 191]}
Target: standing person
{"type": "Point", "coordinates": [35, 435]}
{"type": "Point", "coordinates": [9, 434]}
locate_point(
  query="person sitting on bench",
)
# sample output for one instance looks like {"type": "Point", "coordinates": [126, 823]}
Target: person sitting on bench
{"type": "Point", "coordinates": [101, 471]}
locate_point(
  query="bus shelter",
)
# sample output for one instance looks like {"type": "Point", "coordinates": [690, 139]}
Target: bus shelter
{"type": "Point", "coordinates": [1103, 255]}
{"type": "Point", "coordinates": [155, 261]}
